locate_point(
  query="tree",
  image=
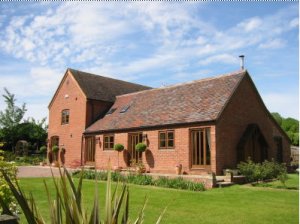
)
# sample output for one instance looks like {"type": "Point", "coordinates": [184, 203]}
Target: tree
{"type": "Point", "coordinates": [10, 118]}
{"type": "Point", "coordinates": [33, 131]}
{"type": "Point", "coordinates": [290, 126]}
{"type": "Point", "coordinates": [277, 117]}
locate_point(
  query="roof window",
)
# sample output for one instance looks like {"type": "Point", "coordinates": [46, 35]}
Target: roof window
{"type": "Point", "coordinates": [125, 108]}
{"type": "Point", "coordinates": [111, 111]}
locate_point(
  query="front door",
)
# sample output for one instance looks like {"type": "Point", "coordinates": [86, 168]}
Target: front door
{"type": "Point", "coordinates": [90, 147]}
{"type": "Point", "coordinates": [200, 148]}
{"type": "Point", "coordinates": [133, 139]}
{"type": "Point", "coordinates": [54, 141]}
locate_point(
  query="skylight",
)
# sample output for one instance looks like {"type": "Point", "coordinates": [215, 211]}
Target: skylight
{"type": "Point", "coordinates": [111, 111]}
{"type": "Point", "coordinates": [125, 108]}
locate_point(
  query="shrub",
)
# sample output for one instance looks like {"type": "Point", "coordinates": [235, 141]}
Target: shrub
{"type": "Point", "coordinates": [9, 156]}
{"type": "Point", "coordinates": [119, 147]}
{"type": "Point", "coordinates": [139, 179]}
{"type": "Point", "coordinates": [7, 200]}
{"type": "Point", "coordinates": [55, 148]}
{"type": "Point", "coordinates": [268, 170]}
{"type": "Point", "coordinates": [43, 149]}
{"type": "Point", "coordinates": [250, 170]}
{"type": "Point", "coordinates": [140, 147]}
{"type": "Point", "coordinates": [67, 205]}
{"type": "Point", "coordinates": [28, 160]}
{"type": "Point", "coordinates": [179, 183]}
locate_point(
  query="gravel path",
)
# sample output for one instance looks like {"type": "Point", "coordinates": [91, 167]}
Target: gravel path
{"type": "Point", "coordinates": [37, 171]}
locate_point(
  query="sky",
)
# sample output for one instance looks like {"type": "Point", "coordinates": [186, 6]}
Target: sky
{"type": "Point", "coordinates": [150, 43]}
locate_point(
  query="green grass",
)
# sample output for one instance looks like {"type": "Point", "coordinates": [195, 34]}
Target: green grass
{"type": "Point", "coordinates": [292, 183]}
{"type": "Point", "coordinates": [236, 204]}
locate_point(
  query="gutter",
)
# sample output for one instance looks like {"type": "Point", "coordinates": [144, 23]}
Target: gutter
{"type": "Point", "coordinates": [154, 127]}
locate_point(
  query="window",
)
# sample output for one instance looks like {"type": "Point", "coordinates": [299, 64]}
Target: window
{"type": "Point", "coordinates": [124, 109]}
{"type": "Point", "coordinates": [108, 142]}
{"type": "Point", "coordinates": [111, 111]}
{"type": "Point", "coordinates": [65, 115]}
{"type": "Point", "coordinates": [200, 146]}
{"type": "Point", "coordinates": [166, 139]}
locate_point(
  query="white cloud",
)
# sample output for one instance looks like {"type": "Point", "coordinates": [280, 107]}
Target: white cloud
{"type": "Point", "coordinates": [272, 44]}
{"type": "Point", "coordinates": [221, 58]}
{"type": "Point", "coordinates": [294, 23]}
{"type": "Point", "coordinates": [130, 41]}
{"type": "Point", "coordinates": [250, 24]}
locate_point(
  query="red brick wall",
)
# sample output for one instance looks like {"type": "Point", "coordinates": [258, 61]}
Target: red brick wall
{"type": "Point", "coordinates": [69, 134]}
{"type": "Point", "coordinates": [81, 114]}
{"type": "Point", "coordinates": [157, 160]}
{"type": "Point", "coordinates": [244, 108]}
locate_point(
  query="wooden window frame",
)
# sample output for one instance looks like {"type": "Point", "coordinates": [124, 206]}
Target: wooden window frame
{"type": "Point", "coordinates": [65, 116]}
{"type": "Point", "coordinates": [205, 164]}
{"type": "Point", "coordinates": [166, 140]}
{"type": "Point", "coordinates": [109, 142]}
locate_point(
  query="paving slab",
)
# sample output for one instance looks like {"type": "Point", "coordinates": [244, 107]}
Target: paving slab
{"type": "Point", "coordinates": [37, 171]}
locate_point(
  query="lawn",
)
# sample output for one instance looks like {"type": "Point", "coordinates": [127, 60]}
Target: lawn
{"type": "Point", "coordinates": [292, 183]}
{"type": "Point", "coordinates": [236, 204]}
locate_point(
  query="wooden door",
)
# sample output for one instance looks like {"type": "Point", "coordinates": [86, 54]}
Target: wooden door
{"type": "Point", "coordinates": [200, 148]}
{"type": "Point", "coordinates": [90, 147]}
{"type": "Point", "coordinates": [133, 139]}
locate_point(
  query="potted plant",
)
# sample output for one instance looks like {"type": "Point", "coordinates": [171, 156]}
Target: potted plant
{"type": "Point", "coordinates": [119, 148]}
{"type": "Point", "coordinates": [140, 148]}
{"type": "Point", "coordinates": [178, 169]}
{"type": "Point", "coordinates": [140, 167]}
{"type": "Point", "coordinates": [43, 150]}
{"type": "Point", "coordinates": [55, 150]}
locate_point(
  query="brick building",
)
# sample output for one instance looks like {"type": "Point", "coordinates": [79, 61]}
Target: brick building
{"type": "Point", "coordinates": [206, 125]}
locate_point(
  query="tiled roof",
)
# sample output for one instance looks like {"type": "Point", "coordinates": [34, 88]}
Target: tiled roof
{"type": "Point", "coordinates": [196, 101]}
{"type": "Point", "coordinates": [103, 88]}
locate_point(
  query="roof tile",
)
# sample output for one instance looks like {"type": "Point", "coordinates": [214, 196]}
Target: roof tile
{"type": "Point", "coordinates": [103, 88]}
{"type": "Point", "coordinates": [196, 101]}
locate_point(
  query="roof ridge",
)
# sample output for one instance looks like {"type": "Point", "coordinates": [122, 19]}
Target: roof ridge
{"type": "Point", "coordinates": [185, 83]}
{"type": "Point", "coordinates": [106, 77]}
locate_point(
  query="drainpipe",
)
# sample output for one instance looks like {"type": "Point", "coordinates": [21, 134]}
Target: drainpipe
{"type": "Point", "coordinates": [81, 155]}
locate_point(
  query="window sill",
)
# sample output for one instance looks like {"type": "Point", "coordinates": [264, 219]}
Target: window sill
{"type": "Point", "coordinates": [166, 150]}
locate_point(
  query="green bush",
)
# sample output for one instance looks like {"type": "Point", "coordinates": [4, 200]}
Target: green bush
{"type": "Point", "coordinates": [67, 206]}
{"type": "Point", "coordinates": [140, 147]}
{"type": "Point", "coordinates": [6, 196]}
{"type": "Point", "coordinates": [29, 160]}
{"type": "Point", "coordinates": [250, 170]}
{"type": "Point", "coordinates": [139, 179]}
{"type": "Point", "coordinates": [43, 149]}
{"type": "Point", "coordinates": [55, 148]}
{"type": "Point", "coordinates": [9, 156]}
{"type": "Point", "coordinates": [179, 183]}
{"type": "Point", "coordinates": [119, 147]}
{"type": "Point", "coordinates": [268, 170]}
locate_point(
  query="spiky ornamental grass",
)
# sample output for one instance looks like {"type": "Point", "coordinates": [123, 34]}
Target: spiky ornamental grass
{"type": "Point", "coordinates": [67, 207]}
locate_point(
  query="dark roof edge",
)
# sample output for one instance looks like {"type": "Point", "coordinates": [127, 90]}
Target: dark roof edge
{"type": "Point", "coordinates": [149, 127]}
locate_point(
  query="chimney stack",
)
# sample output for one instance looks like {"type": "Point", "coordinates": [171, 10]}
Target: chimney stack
{"type": "Point", "coordinates": [242, 61]}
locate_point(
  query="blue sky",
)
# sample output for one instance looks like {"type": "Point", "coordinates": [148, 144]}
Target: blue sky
{"type": "Point", "coordinates": [151, 43]}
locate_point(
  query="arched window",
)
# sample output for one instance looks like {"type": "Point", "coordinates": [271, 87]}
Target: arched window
{"type": "Point", "coordinates": [65, 115]}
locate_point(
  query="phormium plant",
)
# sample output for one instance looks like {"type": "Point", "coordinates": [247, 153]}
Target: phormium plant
{"type": "Point", "coordinates": [67, 205]}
